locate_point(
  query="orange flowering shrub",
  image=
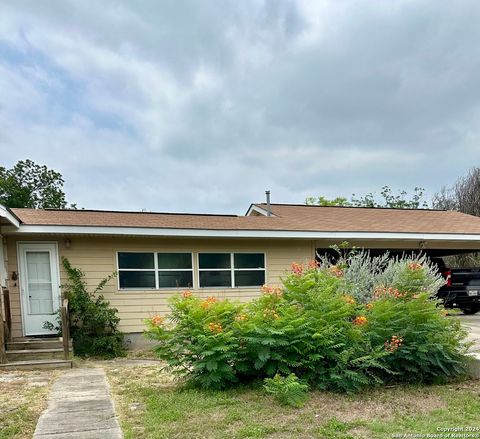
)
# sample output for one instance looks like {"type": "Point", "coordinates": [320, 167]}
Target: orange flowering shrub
{"type": "Point", "coordinates": [349, 299]}
{"type": "Point", "coordinates": [336, 271]}
{"type": "Point", "coordinates": [242, 317]}
{"type": "Point", "coordinates": [360, 320]}
{"type": "Point", "coordinates": [382, 292]}
{"type": "Point", "coordinates": [415, 266]}
{"type": "Point", "coordinates": [393, 344]}
{"type": "Point", "coordinates": [187, 294]}
{"type": "Point", "coordinates": [297, 268]}
{"type": "Point", "coordinates": [157, 320]}
{"type": "Point", "coordinates": [318, 327]}
{"type": "Point", "coordinates": [215, 327]}
{"type": "Point", "coordinates": [208, 301]}
{"type": "Point", "coordinates": [272, 291]}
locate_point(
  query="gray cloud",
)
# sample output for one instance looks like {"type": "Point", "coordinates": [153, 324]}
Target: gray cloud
{"type": "Point", "coordinates": [200, 106]}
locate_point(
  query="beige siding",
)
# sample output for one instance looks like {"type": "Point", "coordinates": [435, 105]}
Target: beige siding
{"type": "Point", "coordinates": [96, 256]}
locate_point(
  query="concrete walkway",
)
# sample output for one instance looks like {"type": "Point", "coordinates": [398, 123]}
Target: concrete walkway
{"type": "Point", "coordinates": [79, 406]}
{"type": "Point", "coordinates": [472, 323]}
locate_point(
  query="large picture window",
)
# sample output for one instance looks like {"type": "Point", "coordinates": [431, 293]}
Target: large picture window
{"type": "Point", "coordinates": [155, 270]}
{"type": "Point", "coordinates": [231, 269]}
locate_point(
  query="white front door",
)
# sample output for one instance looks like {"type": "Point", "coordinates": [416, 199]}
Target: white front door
{"type": "Point", "coordinates": [39, 286]}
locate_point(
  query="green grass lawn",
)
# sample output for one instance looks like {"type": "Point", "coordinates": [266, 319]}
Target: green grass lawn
{"type": "Point", "coordinates": [23, 396]}
{"type": "Point", "coordinates": [151, 405]}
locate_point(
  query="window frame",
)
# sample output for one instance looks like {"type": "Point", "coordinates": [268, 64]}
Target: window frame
{"type": "Point", "coordinates": [232, 268]}
{"type": "Point", "coordinates": [156, 270]}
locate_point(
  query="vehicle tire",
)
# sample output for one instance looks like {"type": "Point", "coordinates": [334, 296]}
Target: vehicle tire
{"type": "Point", "coordinates": [471, 309]}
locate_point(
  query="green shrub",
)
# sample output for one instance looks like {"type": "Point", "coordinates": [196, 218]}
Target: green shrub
{"type": "Point", "coordinates": [288, 390]}
{"type": "Point", "coordinates": [314, 328]}
{"type": "Point", "coordinates": [93, 323]}
{"type": "Point", "coordinates": [204, 342]}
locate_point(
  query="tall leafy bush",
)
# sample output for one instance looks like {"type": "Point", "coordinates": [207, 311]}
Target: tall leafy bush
{"type": "Point", "coordinates": [320, 327]}
{"type": "Point", "coordinates": [93, 322]}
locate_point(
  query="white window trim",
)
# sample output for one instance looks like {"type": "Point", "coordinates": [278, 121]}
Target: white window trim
{"type": "Point", "coordinates": [156, 270]}
{"type": "Point", "coordinates": [232, 268]}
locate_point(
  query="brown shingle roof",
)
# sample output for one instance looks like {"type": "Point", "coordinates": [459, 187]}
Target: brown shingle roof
{"type": "Point", "coordinates": [287, 218]}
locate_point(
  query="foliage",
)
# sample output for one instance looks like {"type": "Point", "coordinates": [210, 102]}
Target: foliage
{"type": "Point", "coordinates": [30, 185]}
{"type": "Point", "coordinates": [315, 328]}
{"type": "Point", "coordinates": [324, 201]}
{"type": "Point", "coordinates": [424, 345]}
{"type": "Point", "coordinates": [288, 390]}
{"type": "Point", "coordinates": [360, 273]}
{"type": "Point", "coordinates": [401, 200]}
{"type": "Point", "coordinates": [414, 274]}
{"type": "Point", "coordinates": [463, 197]}
{"type": "Point", "coordinates": [93, 323]}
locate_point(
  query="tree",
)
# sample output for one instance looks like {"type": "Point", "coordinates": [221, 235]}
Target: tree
{"type": "Point", "coordinates": [323, 201]}
{"type": "Point", "coordinates": [463, 195]}
{"type": "Point", "coordinates": [30, 185]}
{"type": "Point", "coordinates": [400, 200]}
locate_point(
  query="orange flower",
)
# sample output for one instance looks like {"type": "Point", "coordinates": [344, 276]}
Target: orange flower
{"type": "Point", "coordinates": [208, 301]}
{"type": "Point", "coordinates": [393, 344]}
{"type": "Point", "coordinates": [336, 271]}
{"type": "Point", "coordinates": [241, 317]}
{"type": "Point", "coordinates": [384, 292]}
{"type": "Point", "coordinates": [157, 320]}
{"type": "Point", "coordinates": [360, 320]}
{"type": "Point", "coordinates": [349, 299]}
{"type": "Point", "coordinates": [272, 291]}
{"type": "Point", "coordinates": [297, 269]}
{"type": "Point", "coordinates": [215, 327]}
{"type": "Point", "coordinates": [415, 266]}
{"type": "Point", "coordinates": [187, 294]}
{"type": "Point", "coordinates": [313, 264]}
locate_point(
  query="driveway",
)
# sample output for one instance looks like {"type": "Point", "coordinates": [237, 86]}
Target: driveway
{"type": "Point", "coordinates": [473, 324]}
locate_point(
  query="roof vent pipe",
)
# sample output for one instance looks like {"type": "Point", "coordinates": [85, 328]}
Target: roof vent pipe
{"type": "Point", "coordinates": [269, 208]}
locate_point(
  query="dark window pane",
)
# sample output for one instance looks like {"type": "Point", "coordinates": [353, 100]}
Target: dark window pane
{"type": "Point", "coordinates": [249, 278]}
{"type": "Point", "coordinates": [174, 260]}
{"type": "Point", "coordinates": [215, 279]}
{"type": "Point", "coordinates": [135, 260]}
{"type": "Point", "coordinates": [175, 279]}
{"type": "Point", "coordinates": [249, 260]}
{"type": "Point", "coordinates": [214, 260]}
{"type": "Point", "coordinates": [137, 279]}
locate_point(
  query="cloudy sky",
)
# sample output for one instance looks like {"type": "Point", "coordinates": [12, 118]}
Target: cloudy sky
{"type": "Point", "coordinates": [202, 105]}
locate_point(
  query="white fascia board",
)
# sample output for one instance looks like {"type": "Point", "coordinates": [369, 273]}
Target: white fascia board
{"type": "Point", "coordinates": [281, 234]}
{"type": "Point", "coordinates": [4, 212]}
{"type": "Point", "coordinates": [255, 208]}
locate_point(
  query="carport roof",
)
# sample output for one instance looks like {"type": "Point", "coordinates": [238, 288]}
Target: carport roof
{"type": "Point", "coordinates": [286, 217]}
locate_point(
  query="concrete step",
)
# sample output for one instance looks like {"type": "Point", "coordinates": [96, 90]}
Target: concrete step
{"type": "Point", "coordinates": [35, 344]}
{"type": "Point", "coordinates": [34, 354]}
{"type": "Point", "coordinates": [37, 364]}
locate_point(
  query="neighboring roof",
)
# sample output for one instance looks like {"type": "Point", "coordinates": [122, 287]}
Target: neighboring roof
{"type": "Point", "coordinates": [286, 217]}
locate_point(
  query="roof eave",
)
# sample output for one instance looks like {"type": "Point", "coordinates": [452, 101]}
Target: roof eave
{"type": "Point", "coordinates": [230, 233]}
{"type": "Point", "coordinates": [8, 215]}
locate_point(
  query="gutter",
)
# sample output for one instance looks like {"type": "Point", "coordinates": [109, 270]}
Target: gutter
{"type": "Point", "coordinates": [256, 234]}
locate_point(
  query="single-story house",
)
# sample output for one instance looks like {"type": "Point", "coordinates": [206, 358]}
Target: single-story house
{"type": "Point", "coordinates": [159, 254]}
